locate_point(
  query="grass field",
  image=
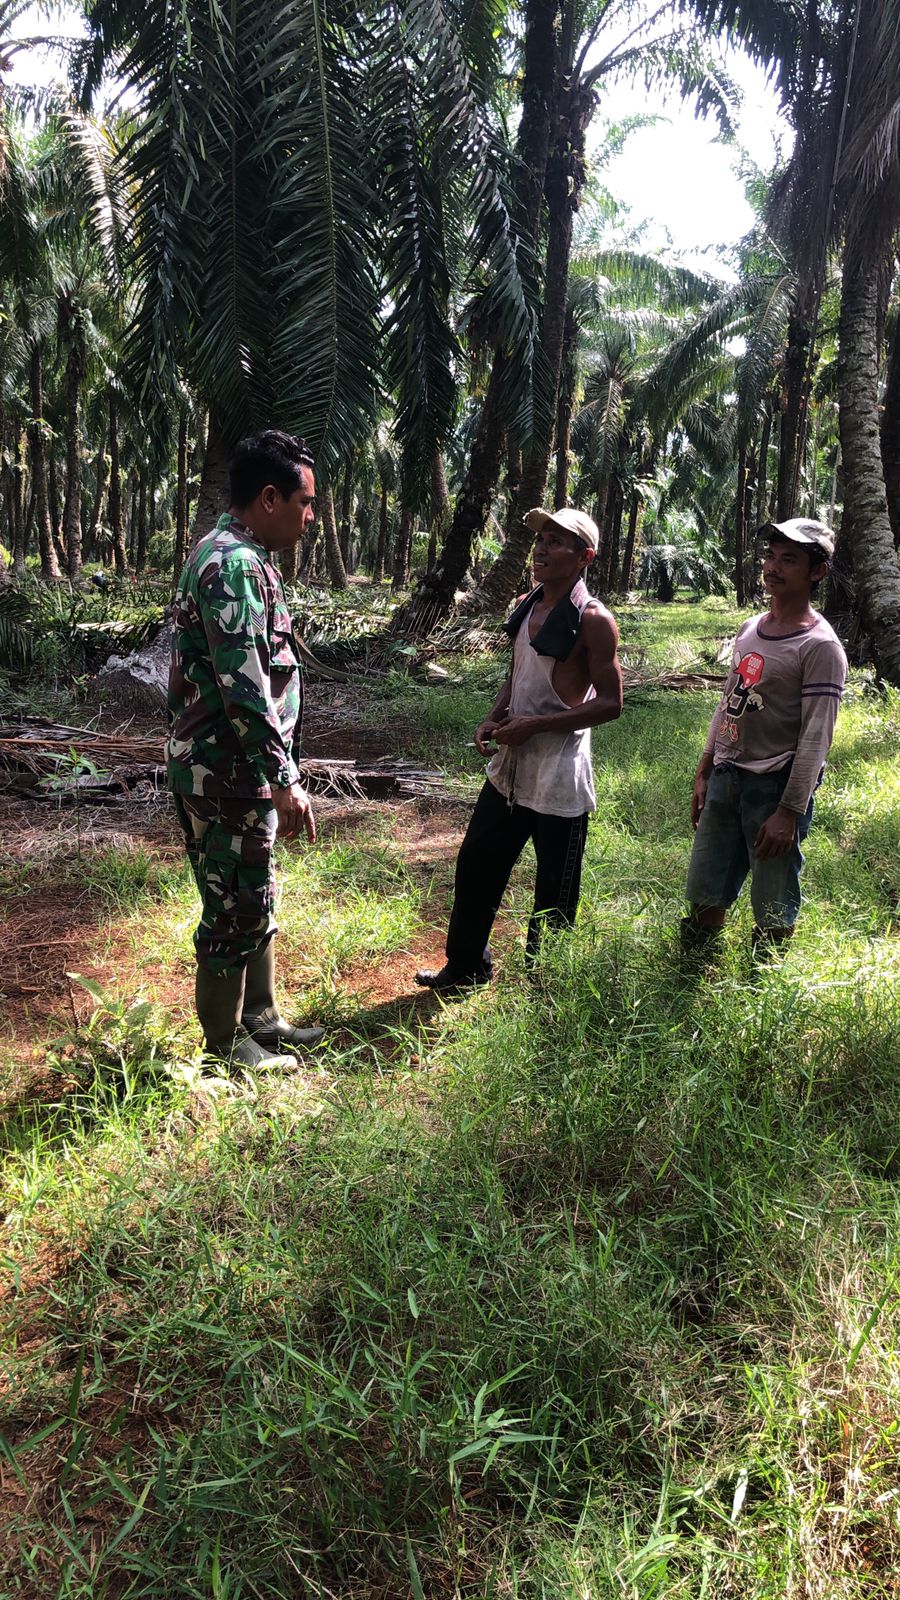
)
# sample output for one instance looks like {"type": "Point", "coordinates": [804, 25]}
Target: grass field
{"type": "Point", "coordinates": [584, 1288]}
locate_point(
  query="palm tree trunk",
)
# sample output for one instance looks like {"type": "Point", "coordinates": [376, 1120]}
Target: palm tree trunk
{"type": "Point", "coordinates": [890, 434]}
{"type": "Point", "coordinates": [17, 473]}
{"type": "Point", "coordinates": [30, 517]}
{"type": "Point", "coordinates": [213, 495]}
{"type": "Point", "coordinates": [49, 563]}
{"type": "Point", "coordinates": [614, 536]}
{"type": "Point", "coordinates": [381, 549]}
{"type": "Point", "coordinates": [599, 515]}
{"type": "Point", "coordinates": [814, 465]}
{"type": "Point", "coordinates": [140, 556]}
{"type": "Point", "coordinates": [12, 498]}
{"type": "Point", "coordinates": [116, 528]}
{"type": "Point", "coordinates": [308, 558]}
{"type": "Point", "coordinates": [441, 512]}
{"type": "Point", "coordinates": [337, 572]}
{"type": "Point", "coordinates": [772, 511]}
{"type": "Point", "coordinates": [9, 507]}
{"type": "Point", "coordinates": [740, 527]}
{"type": "Point", "coordinates": [762, 479]}
{"type": "Point", "coordinates": [56, 521]}
{"type": "Point", "coordinates": [793, 416]}
{"type": "Point", "coordinates": [75, 367]}
{"type": "Point", "coordinates": [566, 173]}
{"type": "Point", "coordinates": [866, 519]}
{"type": "Point", "coordinates": [346, 511]}
{"type": "Point", "coordinates": [101, 484]}
{"type": "Point", "coordinates": [630, 540]}
{"type": "Point", "coordinates": [135, 483]}
{"type": "Point", "coordinates": [403, 549]}
{"type": "Point", "coordinates": [565, 404]}
{"type": "Point", "coordinates": [436, 594]}
{"type": "Point", "coordinates": [181, 497]}
{"type": "Point", "coordinates": [288, 562]}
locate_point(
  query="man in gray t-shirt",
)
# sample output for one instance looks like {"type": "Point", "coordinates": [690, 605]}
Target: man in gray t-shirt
{"type": "Point", "coordinates": [752, 802]}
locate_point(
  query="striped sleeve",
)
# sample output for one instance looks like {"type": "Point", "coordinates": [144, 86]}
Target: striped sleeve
{"type": "Point", "coordinates": [824, 673]}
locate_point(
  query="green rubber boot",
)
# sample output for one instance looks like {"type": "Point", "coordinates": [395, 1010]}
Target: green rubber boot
{"type": "Point", "coordinates": [261, 1016]}
{"type": "Point", "coordinates": [219, 999]}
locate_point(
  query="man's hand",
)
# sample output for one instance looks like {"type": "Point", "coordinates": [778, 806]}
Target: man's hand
{"type": "Point", "coordinates": [294, 811]}
{"type": "Point", "coordinates": [484, 735]}
{"type": "Point", "coordinates": [515, 730]}
{"type": "Point", "coordinates": [776, 835]}
{"type": "Point", "coordinates": [698, 798]}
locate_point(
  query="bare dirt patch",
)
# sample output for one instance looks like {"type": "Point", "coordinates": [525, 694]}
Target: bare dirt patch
{"type": "Point", "coordinates": [54, 922]}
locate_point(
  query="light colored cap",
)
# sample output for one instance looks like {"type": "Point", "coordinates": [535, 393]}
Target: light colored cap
{"type": "Point", "coordinates": [802, 530]}
{"type": "Point", "coordinates": [577, 522]}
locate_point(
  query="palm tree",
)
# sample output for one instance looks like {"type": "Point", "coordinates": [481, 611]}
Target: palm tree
{"type": "Point", "coordinates": [838, 68]}
{"type": "Point", "coordinates": [675, 556]}
{"type": "Point", "coordinates": [62, 223]}
{"type": "Point", "coordinates": [868, 184]}
{"type": "Point", "coordinates": [26, 269]}
{"type": "Point", "coordinates": [653, 46]}
{"type": "Point", "coordinates": [297, 176]}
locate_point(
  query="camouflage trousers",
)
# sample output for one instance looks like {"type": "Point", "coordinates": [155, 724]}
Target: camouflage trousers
{"type": "Point", "coordinates": [230, 847]}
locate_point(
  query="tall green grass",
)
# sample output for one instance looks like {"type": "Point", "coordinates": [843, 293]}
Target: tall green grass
{"type": "Point", "coordinates": [587, 1286]}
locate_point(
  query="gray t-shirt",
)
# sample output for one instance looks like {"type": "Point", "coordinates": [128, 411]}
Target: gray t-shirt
{"type": "Point", "coordinates": [780, 704]}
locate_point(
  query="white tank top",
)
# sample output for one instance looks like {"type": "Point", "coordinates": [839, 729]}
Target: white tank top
{"type": "Point", "coordinates": [550, 772]}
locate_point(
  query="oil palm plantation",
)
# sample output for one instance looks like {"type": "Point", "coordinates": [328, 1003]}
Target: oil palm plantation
{"type": "Point", "coordinates": [62, 223]}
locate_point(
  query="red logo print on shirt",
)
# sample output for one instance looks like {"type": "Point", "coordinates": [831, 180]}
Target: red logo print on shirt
{"type": "Point", "coordinates": [743, 696]}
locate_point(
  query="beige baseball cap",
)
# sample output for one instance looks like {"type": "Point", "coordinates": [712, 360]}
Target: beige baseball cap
{"type": "Point", "coordinates": [577, 522]}
{"type": "Point", "coordinates": [802, 530]}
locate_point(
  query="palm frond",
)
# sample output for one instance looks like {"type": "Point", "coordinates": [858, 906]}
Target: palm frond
{"type": "Point", "coordinates": [420, 348]}
{"type": "Point", "coordinates": [672, 374]}
{"type": "Point", "coordinates": [765, 343]}
{"type": "Point", "coordinates": [325, 245]}
{"type": "Point", "coordinates": [635, 278]}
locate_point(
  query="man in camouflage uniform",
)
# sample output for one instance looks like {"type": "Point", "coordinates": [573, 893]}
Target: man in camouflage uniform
{"type": "Point", "coordinates": [235, 703]}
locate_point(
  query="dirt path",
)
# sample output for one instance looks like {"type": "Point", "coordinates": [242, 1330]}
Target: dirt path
{"type": "Point", "coordinates": [56, 921]}
{"type": "Point", "coordinates": [58, 912]}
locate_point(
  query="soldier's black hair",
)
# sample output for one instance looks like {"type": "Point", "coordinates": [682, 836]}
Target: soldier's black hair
{"type": "Point", "coordinates": [267, 457]}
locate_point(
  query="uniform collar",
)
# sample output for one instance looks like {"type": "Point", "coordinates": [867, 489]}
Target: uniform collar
{"type": "Point", "coordinates": [557, 634]}
{"type": "Point", "coordinates": [228, 523]}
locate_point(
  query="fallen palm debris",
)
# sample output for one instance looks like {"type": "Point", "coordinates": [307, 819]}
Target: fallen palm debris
{"type": "Point", "coordinates": [51, 761]}
{"type": "Point", "coordinates": [633, 678]}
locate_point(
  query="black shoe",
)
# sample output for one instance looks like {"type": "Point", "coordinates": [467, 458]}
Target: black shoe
{"type": "Point", "coordinates": [445, 981]}
{"type": "Point", "coordinates": [699, 944]}
{"type": "Point", "coordinates": [769, 943]}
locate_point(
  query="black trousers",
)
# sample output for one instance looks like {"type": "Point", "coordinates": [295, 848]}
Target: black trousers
{"type": "Point", "coordinates": [495, 838]}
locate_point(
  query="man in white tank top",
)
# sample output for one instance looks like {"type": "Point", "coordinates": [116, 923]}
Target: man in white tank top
{"type": "Point", "coordinates": [565, 680]}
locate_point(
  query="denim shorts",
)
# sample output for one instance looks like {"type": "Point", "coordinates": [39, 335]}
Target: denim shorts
{"type": "Point", "coordinates": [738, 802]}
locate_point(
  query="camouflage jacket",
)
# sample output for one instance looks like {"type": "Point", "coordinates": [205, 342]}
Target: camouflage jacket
{"type": "Point", "coordinates": [235, 692]}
